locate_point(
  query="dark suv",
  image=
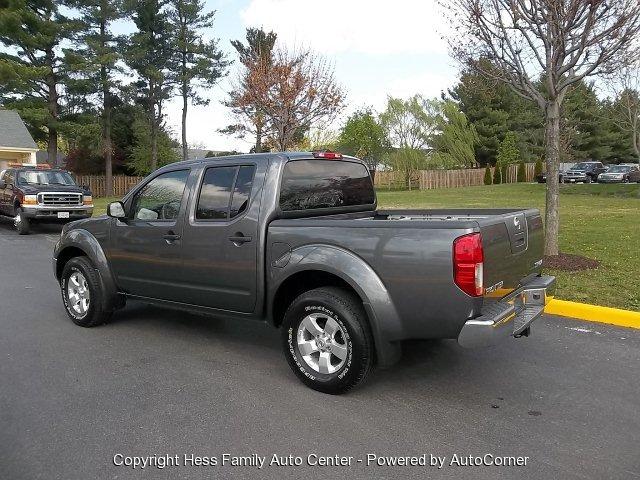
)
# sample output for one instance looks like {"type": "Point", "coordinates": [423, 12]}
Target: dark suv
{"type": "Point", "coordinates": [38, 194]}
{"type": "Point", "coordinates": [586, 172]}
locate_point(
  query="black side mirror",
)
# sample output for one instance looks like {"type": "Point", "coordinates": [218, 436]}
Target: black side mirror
{"type": "Point", "coordinates": [116, 210]}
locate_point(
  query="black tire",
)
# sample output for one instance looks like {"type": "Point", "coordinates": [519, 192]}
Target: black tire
{"type": "Point", "coordinates": [354, 337]}
{"type": "Point", "coordinates": [22, 224]}
{"type": "Point", "coordinates": [94, 315]}
{"type": "Point", "coordinates": [589, 179]}
{"type": "Point", "coordinates": [626, 179]}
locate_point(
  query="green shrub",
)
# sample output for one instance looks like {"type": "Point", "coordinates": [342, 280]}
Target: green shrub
{"type": "Point", "coordinates": [537, 170]}
{"type": "Point", "coordinates": [522, 172]}
{"type": "Point", "coordinates": [487, 175]}
{"type": "Point", "coordinates": [497, 178]}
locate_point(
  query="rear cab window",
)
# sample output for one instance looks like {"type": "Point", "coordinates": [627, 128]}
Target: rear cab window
{"type": "Point", "coordinates": [319, 184]}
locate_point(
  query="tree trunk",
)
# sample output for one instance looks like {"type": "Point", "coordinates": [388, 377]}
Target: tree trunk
{"type": "Point", "coordinates": [258, 147]}
{"type": "Point", "coordinates": [106, 139]}
{"type": "Point", "coordinates": [106, 110]}
{"type": "Point", "coordinates": [52, 106]}
{"type": "Point", "coordinates": [185, 147]}
{"type": "Point", "coordinates": [552, 216]}
{"type": "Point", "coordinates": [154, 143]}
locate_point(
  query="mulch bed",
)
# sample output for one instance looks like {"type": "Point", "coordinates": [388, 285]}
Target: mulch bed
{"type": "Point", "coordinates": [569, 262]}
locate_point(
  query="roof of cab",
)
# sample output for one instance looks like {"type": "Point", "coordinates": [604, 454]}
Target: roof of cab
{"type": "Point", "coordinates": [259, 157]}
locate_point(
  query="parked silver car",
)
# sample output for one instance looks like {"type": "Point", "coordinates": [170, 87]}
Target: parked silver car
{"type": "Point", "coordinates": [623, 173]}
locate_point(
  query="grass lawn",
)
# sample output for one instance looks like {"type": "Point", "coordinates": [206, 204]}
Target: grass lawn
{"type": "Point", "coordinates": [598, 221]}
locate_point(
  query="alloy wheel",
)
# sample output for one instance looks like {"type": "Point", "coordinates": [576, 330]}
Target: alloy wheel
{"type": "Point", "coordinates": [322, 343]}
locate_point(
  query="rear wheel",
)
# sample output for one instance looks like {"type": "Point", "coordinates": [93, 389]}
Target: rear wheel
{"type": "Point", "coordinates": [22, 223]}
{"type": "Point", "coordinates": [327, 341]}
{"type": "Point", "coordinates": [82, 293]}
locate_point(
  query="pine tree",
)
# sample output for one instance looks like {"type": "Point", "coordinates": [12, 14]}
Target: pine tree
{"type": "Point", "coordinates": [149, 54]}
{"type": "Point", "coordinates": [487, 175]}
{"type": "Point", "coordinates": [94, 58]}
{"type": "Point", "coordinates": [31, 70]}
{"type": "Point", "coordinates": [508, 154]}
{"type": "Point", "coordinates": [198, 62]}
{"type": "Point", "coordinates": [497, 175]}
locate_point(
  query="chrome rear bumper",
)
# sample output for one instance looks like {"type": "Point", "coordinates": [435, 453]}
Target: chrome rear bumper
{"type": "Point", "coordinates": [510, 316]}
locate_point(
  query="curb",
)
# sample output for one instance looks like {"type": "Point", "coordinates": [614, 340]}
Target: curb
{"type": "Point", "coordinates": [594, 313]}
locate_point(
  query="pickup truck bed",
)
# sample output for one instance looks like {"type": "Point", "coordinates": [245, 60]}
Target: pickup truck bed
{"type": "Point", "coordinates": [412, 251]}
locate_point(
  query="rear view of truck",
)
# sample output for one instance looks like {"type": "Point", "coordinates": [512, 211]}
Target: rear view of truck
{"type": "Point", "coordinates": [468, 274]}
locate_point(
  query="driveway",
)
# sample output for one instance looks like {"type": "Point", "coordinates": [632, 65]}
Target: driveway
{"type": "Point", "coordinates": [157, 384]}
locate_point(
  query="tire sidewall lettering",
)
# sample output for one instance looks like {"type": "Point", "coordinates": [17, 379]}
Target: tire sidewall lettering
{"type": "Point", "coordinates": [63, 286]}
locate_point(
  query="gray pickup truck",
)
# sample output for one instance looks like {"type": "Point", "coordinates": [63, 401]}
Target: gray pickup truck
{"type": "Point", "coordinates": [296, 240]}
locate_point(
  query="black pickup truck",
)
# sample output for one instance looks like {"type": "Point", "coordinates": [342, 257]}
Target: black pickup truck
{"type": "Point", "coordinates": [296, 240]}
{"type": "Point", "coordinates": [35, 194]}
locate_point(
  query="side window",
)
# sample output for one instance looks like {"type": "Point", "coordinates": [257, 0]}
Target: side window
{"type": "Point", "coordinates": [215, 193]}
{"type": "Point", "coordinates": [225, 192]}
{"type": "Point", "coordinates": [242, 190]}
{"type": "Point", "coordinates": [160, 199]}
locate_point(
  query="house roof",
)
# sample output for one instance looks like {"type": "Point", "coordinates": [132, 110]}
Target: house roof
{"type": "Point", "coordinates": [13, 132]}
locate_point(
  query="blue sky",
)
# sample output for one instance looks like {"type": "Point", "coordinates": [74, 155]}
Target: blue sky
{"type": "Point", "coordinates": [377, 48]}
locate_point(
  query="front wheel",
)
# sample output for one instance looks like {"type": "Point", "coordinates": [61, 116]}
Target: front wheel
{"type": "Point", "coordinates": [22, 223]}
{"type": "Point", "coordinates": [589, 179]}
{"type": "Point", "coordinates": [82, 293]}
{"type": "Point", "coordinates": [327, 341]}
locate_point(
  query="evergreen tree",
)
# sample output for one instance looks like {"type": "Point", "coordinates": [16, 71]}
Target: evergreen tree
{"type": "Point", "coordinates": [487, 175]}
{"type": "Point", "coordinates": [494, 109]}
{"type": "Point", "coordinates": [497, 175]}
{"type": "Point", "coordinates": [94, 58]}
{"type": "Point", "coordinates": [149, 54]}
{"type": "Point", "coordinates": [198, 62]}
{"type": "Point", "coordinates": [32, 73]}
{"type": "Point", "coordinates": [538, 167]}
{"type": "Point", "coordinates": [140, 160]}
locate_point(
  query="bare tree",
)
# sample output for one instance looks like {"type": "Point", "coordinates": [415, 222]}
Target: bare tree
{"type": "Point", "coordinates": [293, 93]}
{"type": "Point", "coordinates": [541, 48]}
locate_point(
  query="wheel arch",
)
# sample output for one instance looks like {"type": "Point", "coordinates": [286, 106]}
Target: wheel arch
{"type": "Point", "coordinates": [313, 266]}
{"type": "Point", "coordinates": [79, 242]}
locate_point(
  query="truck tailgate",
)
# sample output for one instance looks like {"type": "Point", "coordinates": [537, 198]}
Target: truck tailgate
{"type": "Point", "coordinates": [513, 246]}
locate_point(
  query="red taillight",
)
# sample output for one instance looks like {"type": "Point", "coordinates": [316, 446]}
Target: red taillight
{"type": "Point", "coordinates": [328, 155]}
{"type": "Point", "coordinates": [467, 264]}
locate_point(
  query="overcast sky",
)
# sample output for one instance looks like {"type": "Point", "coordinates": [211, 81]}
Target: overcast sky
{"type": "Point", "coordinates": [378, 49]}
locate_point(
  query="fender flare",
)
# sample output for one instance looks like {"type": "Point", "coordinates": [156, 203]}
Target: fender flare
{"type": "Point", "coordinates": [384, 320]}
{"type": "Point", "coordinates": [85, 241]}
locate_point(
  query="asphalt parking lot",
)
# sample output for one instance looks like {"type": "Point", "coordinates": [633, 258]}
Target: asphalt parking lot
{"type": "Point", "coordinates": [159, 382]}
